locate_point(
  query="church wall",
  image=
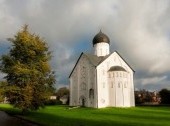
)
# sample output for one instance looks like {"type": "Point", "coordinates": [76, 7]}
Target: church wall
{"type": "Point", "coordinates": [81, 81]}
{"type": "Point", "coordinates": [101, 49]}
{"type": "Point", "coordinates": [118, 90]}
{"type": "Point", "coordinates": [130, 82]}
{"type": "Point", "coordinates": [132, 95]}
{"type": "Point", "coordinates": [124, 96]}
{"type": "Point", "coordinates": [99, 86]}
{"type": "Point", "coordinates": [102, 85]}
{"type": "Point", "coordinates": [91, 91]}
{"type": "Point", "coordinates": [74, 87]}
{"type": "Point", "coordinates": [112, 89]}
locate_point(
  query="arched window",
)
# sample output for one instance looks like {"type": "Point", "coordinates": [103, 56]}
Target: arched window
{"type": "Point", "coordinates": [119, 84]}
{"type": "Point", "coordinates": [113, 74]}
{"type": "Point", "coordinates": [112, 84]}
{"type": "Point", "coordinates": [91, 93]}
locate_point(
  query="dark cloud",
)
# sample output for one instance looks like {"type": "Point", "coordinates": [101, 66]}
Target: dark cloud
{"type": "Point", "coordinates": [138, 30]}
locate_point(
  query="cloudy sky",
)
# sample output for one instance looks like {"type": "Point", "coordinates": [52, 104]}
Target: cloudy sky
{"type": "Point", "coordinates": [138, 29]}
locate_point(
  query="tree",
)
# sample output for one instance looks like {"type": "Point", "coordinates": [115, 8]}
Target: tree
{"type": "Point", "coordinates": [61, 92]}
{"type": "Point", "coordinates": [165, 96]}
{"type": "Point", "coordinates": [28, 73]}
{"type": "Point", "coordinates": [2, 90]}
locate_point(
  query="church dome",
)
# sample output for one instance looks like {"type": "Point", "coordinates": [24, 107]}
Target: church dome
{"type": "Point", "coordinates": [117, 68]}
{"type": "Point", "coordinates": [100, 37]}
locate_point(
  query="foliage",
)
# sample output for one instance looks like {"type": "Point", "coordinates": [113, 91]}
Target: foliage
{"type": "Point", "coordinates": [136, 116]}
{"type": "Point", "coordinates": [61, 92]}
{"type": "Point", "coordinates": [53, 102]}
{"type": "Point", "coordinates": [2, 90]}
{"type": "Point", "coordinates": [28, 73]}
{"type": "Point", "coordinates": [144, 96]}
{"type": "Point", "coordinates": [165, 96]}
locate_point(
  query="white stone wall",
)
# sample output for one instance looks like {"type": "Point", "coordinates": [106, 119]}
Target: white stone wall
{"type": "Point", "coordinates": [101, 49]}
{"type": "Point", "coordinates": [119, 89]}
{"type": "Point", "coordinates": [102, 86]}
{"type": "Point", "coordinates": [84, 78]}
{"type": "Point", "coordinates": [81, 81]}
{"type": "Point", "coordinates": [124, 97]}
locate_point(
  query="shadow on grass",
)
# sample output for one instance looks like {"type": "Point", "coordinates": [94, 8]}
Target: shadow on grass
{"type": "Point", "coordinates": [98, 118]}
{"type": "Point", "coordinates": [56, 120]}
{"type": "Point", "coordinates": [62, 116]}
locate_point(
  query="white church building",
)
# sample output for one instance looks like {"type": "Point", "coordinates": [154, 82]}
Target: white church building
{"type": "Point", "coordinates": [102, 79]}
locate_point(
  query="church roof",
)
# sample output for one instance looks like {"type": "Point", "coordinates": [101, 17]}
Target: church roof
{"type": "Point", "coordinates": [95, 60]}
{"type": "Point", "coordinates": [101, 37]}
{"type": "Point", "coordinates": [117, 68]}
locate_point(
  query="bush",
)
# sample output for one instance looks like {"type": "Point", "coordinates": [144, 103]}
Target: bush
{"type": "Point", "coordinates": [53, 102]}
{"type": "Point", "coordinates": [165, 96]}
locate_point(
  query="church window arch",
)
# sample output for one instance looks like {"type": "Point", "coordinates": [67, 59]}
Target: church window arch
{"type": "Point", "coordinates": [125, 85]}
{"type": "Point", "coordinates": [91, 93]}
{"type": "Point", "coordinates": [112, 84]}
{"type": "Point", "coordinates": [113, 74]}
{"type": "Point", "coordinates": [119, 84]}
{"type": "Point", "coordinates": [126, 75]}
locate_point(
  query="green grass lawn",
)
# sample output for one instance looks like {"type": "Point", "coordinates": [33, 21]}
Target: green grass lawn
{"type": "Point", "coordinates": [62, 116]}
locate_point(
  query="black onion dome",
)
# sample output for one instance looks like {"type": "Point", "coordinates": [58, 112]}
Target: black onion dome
{"type": "Point", "coordinates": [117, 68]}
{"type": "Point", "coordinates": [101, 37]}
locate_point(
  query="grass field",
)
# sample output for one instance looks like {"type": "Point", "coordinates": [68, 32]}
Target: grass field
{"type": "Point", "coordinates": [62, 116]}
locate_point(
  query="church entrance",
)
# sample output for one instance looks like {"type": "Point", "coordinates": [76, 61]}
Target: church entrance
{"type": "Point", "coordinates": [82, 101]}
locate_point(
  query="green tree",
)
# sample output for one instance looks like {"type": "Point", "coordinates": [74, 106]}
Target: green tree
{"type": "Point", "coordinates": [61, 92]}
{"type": "Point", "coordinates": [28, 73]}
{"type": "Point", "coordinates": [165, 96]}
{"type": "Point", "coordinates": [2, 90]}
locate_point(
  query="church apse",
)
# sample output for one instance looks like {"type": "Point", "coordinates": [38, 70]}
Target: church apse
{"type": "Point", "coordinates": [118, 87]}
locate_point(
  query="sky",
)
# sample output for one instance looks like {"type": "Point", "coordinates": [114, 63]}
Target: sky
{"type": "Point", "coordinates": [138, 29]}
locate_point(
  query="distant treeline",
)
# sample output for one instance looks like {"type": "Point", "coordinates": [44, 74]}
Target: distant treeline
{"type": "Point", "coordinates": [149, 97]}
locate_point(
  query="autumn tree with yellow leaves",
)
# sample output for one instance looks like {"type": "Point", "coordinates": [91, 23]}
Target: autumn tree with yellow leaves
{"type": "Point", "coordinates": [30, 79]}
